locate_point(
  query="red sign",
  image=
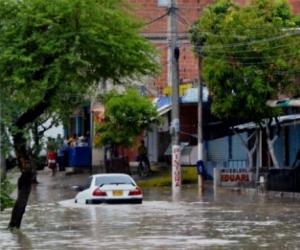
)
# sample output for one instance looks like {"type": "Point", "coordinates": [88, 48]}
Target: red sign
{"type": "Point", "coordinates": [176, 166]}
{"type": "Point", "coordinates": [234, 177]}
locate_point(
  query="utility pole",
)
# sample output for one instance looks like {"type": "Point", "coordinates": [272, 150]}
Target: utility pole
{"type": "Point", "coordinates": [175, 126]}
{"type": "Point", "coordinates": [200, 125]}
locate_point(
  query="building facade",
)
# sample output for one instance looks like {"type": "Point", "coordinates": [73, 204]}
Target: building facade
{"type": "Point", "coordinates": [157, 29]}
{"type": "Point", "coordinates": [222, 150]}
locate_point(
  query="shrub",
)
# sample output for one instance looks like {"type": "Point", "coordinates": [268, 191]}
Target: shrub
{"type": "Point", "coordinates": [166, 181]}
{"type": "Point", "coordinates": [6, 189]}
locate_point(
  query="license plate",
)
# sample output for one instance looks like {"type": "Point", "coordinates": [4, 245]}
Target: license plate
{"type": "Point", "coordinates": [118, 193]}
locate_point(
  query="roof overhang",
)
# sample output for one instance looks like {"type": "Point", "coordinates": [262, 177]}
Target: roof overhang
{"type": "Point", "coordinates": [163, 104]}
{"type": "Point", "coordinates": [284, 103]}
{"type": "Point", "coordinates": [164, 110]}
{"type": "Point", "coordinates": [285, 120]}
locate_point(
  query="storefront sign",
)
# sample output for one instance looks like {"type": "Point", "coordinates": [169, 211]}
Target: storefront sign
{"type": "Point", "coordinates": [234, 175]}
{"type": "Point", "coordinates": [176, 178]}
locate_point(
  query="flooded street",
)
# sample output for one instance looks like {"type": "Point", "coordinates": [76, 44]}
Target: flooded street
{"type": "Point", "coordinates": [218, 220]}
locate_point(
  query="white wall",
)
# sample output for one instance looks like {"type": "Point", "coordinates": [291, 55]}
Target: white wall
{"type": "Point", "coordinates": [152, 144]}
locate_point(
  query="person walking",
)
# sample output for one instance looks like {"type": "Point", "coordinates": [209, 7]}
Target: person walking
{"type": "Point", "coordinates": [51, 158]}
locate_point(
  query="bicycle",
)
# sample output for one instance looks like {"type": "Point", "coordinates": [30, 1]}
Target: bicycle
{"type": "Point", "coordinates": [143, 168]}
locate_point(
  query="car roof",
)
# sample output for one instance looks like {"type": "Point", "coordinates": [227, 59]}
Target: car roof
{"type": "Point", "coordinates": [113, 174]}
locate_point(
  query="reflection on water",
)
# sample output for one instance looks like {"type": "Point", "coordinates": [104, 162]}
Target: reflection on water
{"type": "Point", "coordinates": [214, 221]}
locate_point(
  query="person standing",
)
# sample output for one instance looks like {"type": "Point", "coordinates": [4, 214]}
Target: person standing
{"type": "Point", "coordinates": [61, 159]}
{"type": "Point", "coordinates": [60, 152]}
{"type": "Point", "coordinates": [59, 141]}
{"type": "Point", "coordinates": [73, 140]}
{"type": "Point", "coordinates": [81, 138]}
{"type": "Point", "coordinates": [65, 141]}
{"type": "Point", "coordinates": [65, 152]}
{"type": "Point", "coordinates": [51, 158]}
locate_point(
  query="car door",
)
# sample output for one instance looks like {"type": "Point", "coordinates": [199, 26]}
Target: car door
{"type": "Point", "coordinates": [86, 193]}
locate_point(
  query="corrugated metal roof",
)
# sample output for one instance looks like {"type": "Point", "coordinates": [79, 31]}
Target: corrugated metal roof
{"type": "Point", "coordinates": [286, 119]}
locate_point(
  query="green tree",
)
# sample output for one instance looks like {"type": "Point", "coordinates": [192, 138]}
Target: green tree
{"type": "Point", "coordinates": [53, 53]}
{"type": "Point", "coordinates": [250, 55]}
{"type": "Point", "coordinates": [6, 189]}
{"type": "Point", "coordinates": [126, 116]}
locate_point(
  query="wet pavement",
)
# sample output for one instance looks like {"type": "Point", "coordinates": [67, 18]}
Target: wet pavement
{"type": "Point", "coordinates": [217, 220]}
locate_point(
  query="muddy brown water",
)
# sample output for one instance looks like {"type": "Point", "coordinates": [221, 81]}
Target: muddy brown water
{"type": "Point", "coordinates": [216, 220]}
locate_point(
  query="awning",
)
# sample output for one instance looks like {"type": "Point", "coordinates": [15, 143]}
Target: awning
{"type": "Point", "coordinates": [286, 120]}
{"type": "Point", "coordinates": [284, 103]}
{"type": "Point", "coordinates": [163, 104]}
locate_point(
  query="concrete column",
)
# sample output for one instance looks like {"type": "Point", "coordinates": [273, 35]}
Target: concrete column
{"type": "Point", "coordinates": [217, 180]}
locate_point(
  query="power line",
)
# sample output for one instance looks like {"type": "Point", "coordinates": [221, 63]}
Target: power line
{"type": "Point", "coordinates": [244, 51]}
{"type": "Point", "coordinates": [184, 18]}
{"type": "Point", "coordinates": [158, 18]}
{"type": "Point", "coordinates": [251, 42]}
{"type": "Point", "coordinates": [211, 48]}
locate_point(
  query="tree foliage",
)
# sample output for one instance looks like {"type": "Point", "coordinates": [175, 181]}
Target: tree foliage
{"type": "Point", "coordinates": [126, 116]}
{"type": "Point", "coordinates": [6, 189]}
{"type": "Point", "coordinates": [53, 53]}
{"type": "Point", "coordinates": [250, 55]}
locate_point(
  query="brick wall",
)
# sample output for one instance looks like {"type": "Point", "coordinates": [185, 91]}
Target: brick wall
{"type": "Point", "coordinates": [157, 31]}
{"type": "Point", "coordinates": [189, 12]}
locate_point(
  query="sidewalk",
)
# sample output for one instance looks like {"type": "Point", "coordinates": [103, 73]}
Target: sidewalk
{"type": "Point", "coordinates": [80, 174]}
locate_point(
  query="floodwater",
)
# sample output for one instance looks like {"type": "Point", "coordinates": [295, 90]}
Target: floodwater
{"type": "Point", "coordinates": [216, 220]}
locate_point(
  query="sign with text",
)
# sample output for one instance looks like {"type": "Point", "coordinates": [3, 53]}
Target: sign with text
{"type": "Point", "coordinates": [231, 176]}
{"type": "Point", "coordinates": [176, 175]}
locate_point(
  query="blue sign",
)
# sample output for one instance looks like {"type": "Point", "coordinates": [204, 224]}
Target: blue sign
{"type": "Point", "coordinates": [200, 168]}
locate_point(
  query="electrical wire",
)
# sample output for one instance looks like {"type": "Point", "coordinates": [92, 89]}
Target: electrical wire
{"type": "Point", "coordinates": [186, 23]}
{"type": "Point", "coordinates": [251, 42]}
{"type": "Point", "coordinates": [158, 18]}
{"type": "Point", "coordinates": [246, 57]}
{"type": "Point", "coordinates": [189, 23]}
{"type": "Point", "coordinates": [199, 49]}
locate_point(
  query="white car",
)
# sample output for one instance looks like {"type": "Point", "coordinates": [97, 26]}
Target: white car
{"type": "Point", "coordinates": [109, 188]}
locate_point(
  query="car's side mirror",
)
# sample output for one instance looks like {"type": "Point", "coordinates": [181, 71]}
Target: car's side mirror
{"type": "Point", "coordinates": [77, 188]}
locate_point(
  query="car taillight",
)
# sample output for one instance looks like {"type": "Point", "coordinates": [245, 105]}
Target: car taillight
{"type": "Point", "coordinates": [98, 192]}
{"type": "Point", "coordinates": [137, 191]}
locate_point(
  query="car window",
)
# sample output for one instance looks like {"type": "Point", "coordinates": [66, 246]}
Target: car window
{"type": "Point", "coordinates": [113, 180]}
{"type": "Point", "coordinates": [88, 183]}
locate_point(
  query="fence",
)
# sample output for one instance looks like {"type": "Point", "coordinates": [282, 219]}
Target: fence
{"type": "Point", "coordinates": [284, 180]}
